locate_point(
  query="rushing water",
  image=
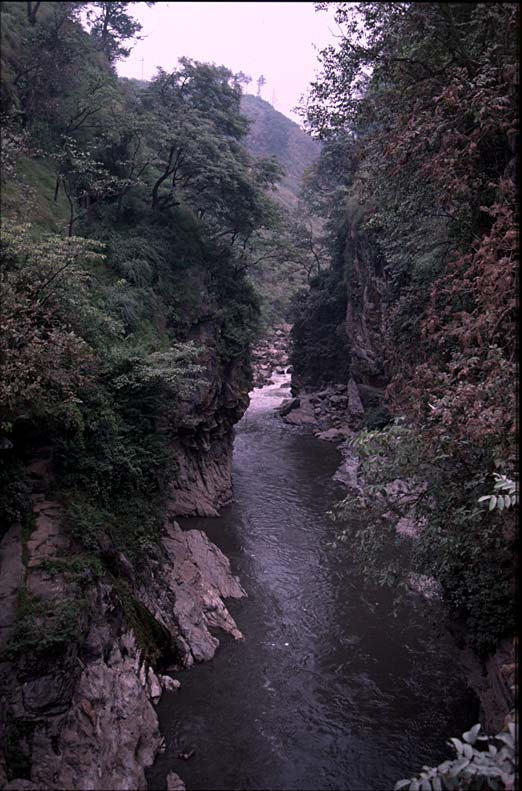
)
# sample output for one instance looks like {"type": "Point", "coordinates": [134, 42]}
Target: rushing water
{"type": "Point", "coordinates": [331, 688]}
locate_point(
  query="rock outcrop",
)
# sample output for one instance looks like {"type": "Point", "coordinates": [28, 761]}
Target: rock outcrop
{"type": "Point", "coordinates": [201, 445]}
{"type": "Point", "coordinates": [337, 334]}
{"type": "Point", "coordinates": [81, 714]}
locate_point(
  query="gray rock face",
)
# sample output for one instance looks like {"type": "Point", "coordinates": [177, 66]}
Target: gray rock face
{"type": "Point", "coordinates": [201, 444]}
{"type": "Point", "coordinates": [90, 710]}
{"type": "Point", "coordinates": [187, 591]}
{"type": "Point", "coordinates": [203, 481]}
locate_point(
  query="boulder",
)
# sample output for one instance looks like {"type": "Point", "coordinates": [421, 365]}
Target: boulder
{"type": "Point", "coordinates": [288, 405]}
{"type": "Point", "coordinates": [169, 684]}
{"type": "Point", "coordinates": [300, 417]}
{"type": "Point", "coordinates": [333, 435]}
{"type": "Point", "coordinates": [354, 399]}
{"type": "Point", "coordinates": [339, 401]}
{"type": "Point", "coordinates": [174, 782]}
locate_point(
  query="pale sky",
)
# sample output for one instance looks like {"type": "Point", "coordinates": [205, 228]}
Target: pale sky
{"type": "Point", "coordinates": [273, 39]}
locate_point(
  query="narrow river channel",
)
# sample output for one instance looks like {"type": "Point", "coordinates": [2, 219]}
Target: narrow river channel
{"type": "Point", "coordinates": [331, 688]}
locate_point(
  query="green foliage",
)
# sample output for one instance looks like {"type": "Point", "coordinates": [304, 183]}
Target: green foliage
{"type": "Point", "coordinates": [77, 568]}
{"type": "Point", "coordinates": [45, 627]}
{"type": "Point", "coordinates": [416, 107]}
{"type": "Point", "coordinates": [505, 496]}
{"type": "Point", "coordinates": [111, 25]}
{"type": "Point", "coordinates": [15, 489]}
{"type": "Point", "coordinates": [482, 762]}
{"type": "Point", "coordinates": [469, 554]}
{"type": "Point", "coordinates": [318, 352]}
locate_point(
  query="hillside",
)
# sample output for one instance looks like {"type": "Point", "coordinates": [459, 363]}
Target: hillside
{"type": "Point", "coordinates": [273, 134]}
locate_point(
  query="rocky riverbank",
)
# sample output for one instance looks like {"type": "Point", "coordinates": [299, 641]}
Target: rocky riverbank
{"type": "Point", "coordinates": [84, 717]}
{"type": "Point", "coordinates": [334, 414]}
{"type": "Point", "coordinates": [87, 643]}
{"type": "Point", "coordinates": [270, 355]}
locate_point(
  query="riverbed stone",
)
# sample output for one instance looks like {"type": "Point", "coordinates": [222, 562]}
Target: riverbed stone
{"type": "Point", "coordinates": [355, 405]}
{"type": "Point", "coordinates": [174, 782]}
{"type": "Point", "coordinates": [333, 435]}
{"type": "Point", "coordinates": [288, 404]}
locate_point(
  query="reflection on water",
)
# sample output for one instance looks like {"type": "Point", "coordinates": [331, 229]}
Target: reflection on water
{"type": "Point", "coordinates": [332, 688]}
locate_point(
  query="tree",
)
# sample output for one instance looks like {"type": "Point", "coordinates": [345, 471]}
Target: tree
{"type": "Point", "coordinates": [111, 26]}
{"type": "Point", "coordinates": [197, 152]}
{"type": "Point", "coordinates": [260, 82]}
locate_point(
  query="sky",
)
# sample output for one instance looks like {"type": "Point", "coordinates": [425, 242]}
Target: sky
{"type": "Point", "coordinates": [274, 39]}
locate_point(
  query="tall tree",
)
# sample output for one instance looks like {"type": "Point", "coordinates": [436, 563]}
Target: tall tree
{"type": "Point", "coordinates": [112, 26]}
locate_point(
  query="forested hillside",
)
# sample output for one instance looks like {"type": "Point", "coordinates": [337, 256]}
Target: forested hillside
{"type": "Point", "coordinates": [273, 134]}
{"type": "Point", "coordinates": [417, 109]}
{"type": "Point", "coordinates": [283, 260]}
{"type": "Point", "coordinates": [127, 212]}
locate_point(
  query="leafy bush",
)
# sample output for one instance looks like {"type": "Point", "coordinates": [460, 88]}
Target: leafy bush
{"type": "Point", "coordinates": [46, 627]}
{"type": "Point", "coordinates": [466, 548]}
{"type": "Point", "coordinates": [488, 765]}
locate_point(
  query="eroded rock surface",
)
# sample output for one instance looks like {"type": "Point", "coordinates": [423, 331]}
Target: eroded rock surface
{"type": "Point", "coordinates": [187, 592]}
{"type": "Point", "coordinates": [84, 717]}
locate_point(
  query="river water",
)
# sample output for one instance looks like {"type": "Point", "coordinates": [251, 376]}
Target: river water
{"type": "Point", "coordinates": [332, 687]}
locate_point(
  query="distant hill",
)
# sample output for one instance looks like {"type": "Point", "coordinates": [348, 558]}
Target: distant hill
{"type": "Point", "coordinates": [272, 133]}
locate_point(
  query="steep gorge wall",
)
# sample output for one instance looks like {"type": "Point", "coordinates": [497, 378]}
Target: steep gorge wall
{"type": "Point", "coordinates": [78, 708]}
{"type": "Point", "coordinates": [338, 332]}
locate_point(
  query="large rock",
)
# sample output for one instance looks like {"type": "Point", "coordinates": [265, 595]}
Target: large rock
{"type": "Point", "coordinates": [186, 593]}
{"type": "Point", "coordinates": [203, 481]}
{"type": "Point", "coordinates": [90, 709]}
{"type": "Point", "coordinates": [288, 404]}
{"type": "Point", "coordinates": [334, 434]}
{"type": "Point", "coordinates": [304, 415]}
{"type": "Point", "coordinates": [355, 406]}
{"type": "Point", "coordinates": [174, 782]}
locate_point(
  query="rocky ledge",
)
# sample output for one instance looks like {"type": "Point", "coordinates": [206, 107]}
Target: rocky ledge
{"type": "Point", "coordinates": [81, 714]}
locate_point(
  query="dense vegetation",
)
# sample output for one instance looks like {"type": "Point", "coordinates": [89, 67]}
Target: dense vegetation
{"type": "Point", "coordinates": [285, 258]}
{"type": "Point", "coordinates": [129, 210]}
{"type": "Point", "coordinates": [417, 109]}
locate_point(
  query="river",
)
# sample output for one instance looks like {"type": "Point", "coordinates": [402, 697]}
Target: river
{"type": "Point", "coordinates": [332, 688]}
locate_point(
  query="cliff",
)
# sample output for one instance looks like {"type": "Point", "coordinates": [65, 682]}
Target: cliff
{"type": "Point", "coordinates": [80, 714]}
{"type": "Point", "coordinates": [339, 324]}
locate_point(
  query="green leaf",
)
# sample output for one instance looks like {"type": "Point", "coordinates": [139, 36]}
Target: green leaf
{"type": "Point", "coordinates": [492, 502]}
{"type": "Point", "coordinates": [458, 766]}
{"type": "Point", "coordinates": [457, 744]}
{"type": "Point", "coordinates": [471, 735]}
